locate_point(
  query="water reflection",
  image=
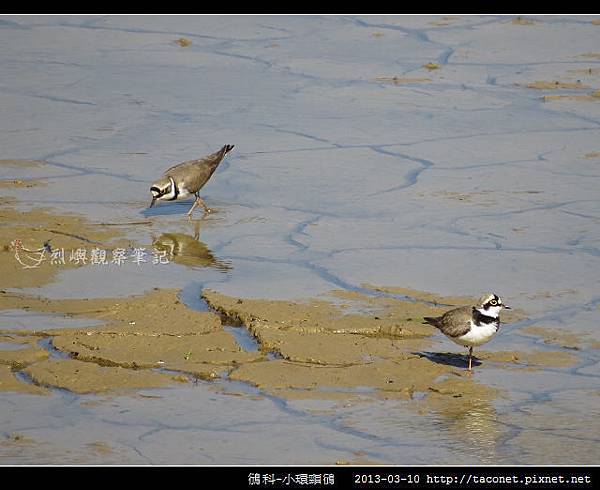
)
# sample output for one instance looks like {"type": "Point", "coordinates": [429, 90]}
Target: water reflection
{"type": "Point", "coordinates": [189, 250]}
{"type": "Point", "coordinates": [477, 426]}
{"type": "Point", "coordinates": [468, 414]}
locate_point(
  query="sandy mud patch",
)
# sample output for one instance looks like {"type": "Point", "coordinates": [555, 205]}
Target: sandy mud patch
{"type": "Point", "coordinates": [20, 163]}
{"type": "Point", "coordinates": [201, 355]}
{"type": "Point", "coordinates": [86, 377]}
{"type": "Point", "coordinates": [20, 351]}
{"type": "Point", "coordinates": [139, 334]}
{"type": "Point", "coordinates": [522, 21]}
{"type": "Point", "coordinates": [387, 317]}
{"type": "Point", "coordinates": [403, 80]}
{"type": "Point", "coordinates": [563, 339]}
{"type": "Point", "coordinates": [555, 85]}
{"type": "Point", "coordinates": [592, 155]}
{"type": "Point", "coordinates": [443, 21]}
{"type": "Point", "coordinates": [8, 382]}
{"type": "Point", "coordinates": [28, 239]}
{"type": "Point", "coordinates": [591, 97]}
{"type": "Point", "coordinates": [535, 359]}
{"type": "Point", "coordinates": [20, 184]}
{"type": "Point", "coordinates": [378, 348]}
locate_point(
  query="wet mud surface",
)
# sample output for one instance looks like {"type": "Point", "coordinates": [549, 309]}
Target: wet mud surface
{"type": "Point", "coordinates": [293, 314]}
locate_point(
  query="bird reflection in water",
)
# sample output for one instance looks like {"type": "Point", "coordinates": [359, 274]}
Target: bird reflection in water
{"type": "Point", "coordinates": [189, 250]}
{"type": "Point", "coordinates": [473, 422]}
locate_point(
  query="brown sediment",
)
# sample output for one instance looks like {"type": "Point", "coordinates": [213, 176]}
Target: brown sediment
{"type": "Point", "coordinates": [100, 447]}
{"type": "Point", "coordinates": [139, 333]}
{"type": "Point", "coordinates": [558, 85]}
{"type": "Point", "coordinates": [200, 354]}
{"type": "Point", "coordinates": [533, 359]}
{"type": "Point", "coordinates": [8, 382]}
{"type": "Point", "coordinates": [562, 338]}
{"type": "Point", "coordinates": [432, 66]}
{"type": "Point", "coordinates": [399, 378]}
{"type": "Point", "coordinates": [159, 311]}
{"type": "Point", "coordinates": [326, 355]}
{"type": "Point", "coordinates": [19, 358]}
{"type": "Point", "coordinates": [17, 438]}
{"type": "Point", "coordinates": [87, 377]}
{"type": "Point", "coordinates": [521, 21]}
{"type": "Point", "coordinates": [183, 42]}
{"type": "Point", "coordinates": [486, 198]}
{"type": "Point", "coordinates": [327, 351]}
{"type": "Point", "coordinates": [35, 228]}
{"type": "Point", "coordinates": [593, 97]}
{"type": "Point", "coordinates": [21, 163]}
{"type": "Point", "coordinates": [395, 318]}
{"type": "Point", "coordinates": [403, 80]}
{"type": "Point", "coordinates": [360, 458]}
{"type": "Point", "coordinates": [348, 345]}
{"type": "Point", "coordinates": [555, 85]}
{"type": "Point", "coordinates": [456, 397]}
{"type": "Point", "coordinates": [19, 184]}
{"type": "Point", "coordinates": [592, 155]}
{"type": "Point", "coordinates": [444, 21]}
{"type": "Point", "coordinates": [349, 349]}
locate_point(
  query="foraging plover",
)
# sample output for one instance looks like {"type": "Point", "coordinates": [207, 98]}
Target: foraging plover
{"type": "Point", "coordinates": [186, 179]}
{"type": "Point", "coordinates": [471, 325]}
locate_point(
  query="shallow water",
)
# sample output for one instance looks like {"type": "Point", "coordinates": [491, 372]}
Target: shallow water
{"type": "Point", "coordinates": [461, 183]}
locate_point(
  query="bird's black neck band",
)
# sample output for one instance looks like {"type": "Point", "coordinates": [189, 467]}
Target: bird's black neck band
{"type": "Point", "coordinates": [479, 318]}
{"type": "Point", "coordinates": [175, 191]}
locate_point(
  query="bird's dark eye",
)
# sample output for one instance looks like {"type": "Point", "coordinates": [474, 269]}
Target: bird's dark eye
{"type": "Point", "coordinates": [493, 302]}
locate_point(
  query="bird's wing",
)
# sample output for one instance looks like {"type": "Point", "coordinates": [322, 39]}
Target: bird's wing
{"type": "Point", "coordinates": [181, 166]}
{"type": "Point", "coordinates": [195, 173]}
{"type": "Point", "coordinates": [211, 160]}
{"type": "Point", "coordinates": [457, 322]}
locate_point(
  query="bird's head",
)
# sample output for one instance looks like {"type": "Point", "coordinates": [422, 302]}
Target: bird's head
{"type": "Point", "coordinates": [490, 304]}
{"type": "Point", "coordinates": [163, 189]}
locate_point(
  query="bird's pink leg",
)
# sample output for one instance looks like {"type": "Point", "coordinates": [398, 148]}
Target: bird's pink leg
{"type": "Point", "coordinates": [198, 200]}
{"type": "Point", "coordinates": [470, 357]}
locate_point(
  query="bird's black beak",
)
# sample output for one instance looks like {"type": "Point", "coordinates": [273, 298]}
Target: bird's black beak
{"type": "Point", "coordinates": [153, 201]}
{"type": "Point", "coordinates": [507, 307]}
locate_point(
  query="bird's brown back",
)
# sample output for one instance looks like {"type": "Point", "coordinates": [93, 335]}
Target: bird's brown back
{"type": "Point", "coordinates": [195, 173]}
{"type": "Point", "coordinates": [453, 323]}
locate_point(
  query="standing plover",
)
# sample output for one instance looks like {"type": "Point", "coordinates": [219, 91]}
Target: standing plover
{"type": "Point", "coordinates": [186, 179]}
{"type": "Point", "coordinates": [471, 325]}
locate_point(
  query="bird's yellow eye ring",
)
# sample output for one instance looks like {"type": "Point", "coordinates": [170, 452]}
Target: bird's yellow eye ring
{"type": "Point", "coordinates": [493, 302]}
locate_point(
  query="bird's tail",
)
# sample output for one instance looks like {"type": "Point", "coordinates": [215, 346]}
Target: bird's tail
{"type": "Point", "coordinates": [430, 320]}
